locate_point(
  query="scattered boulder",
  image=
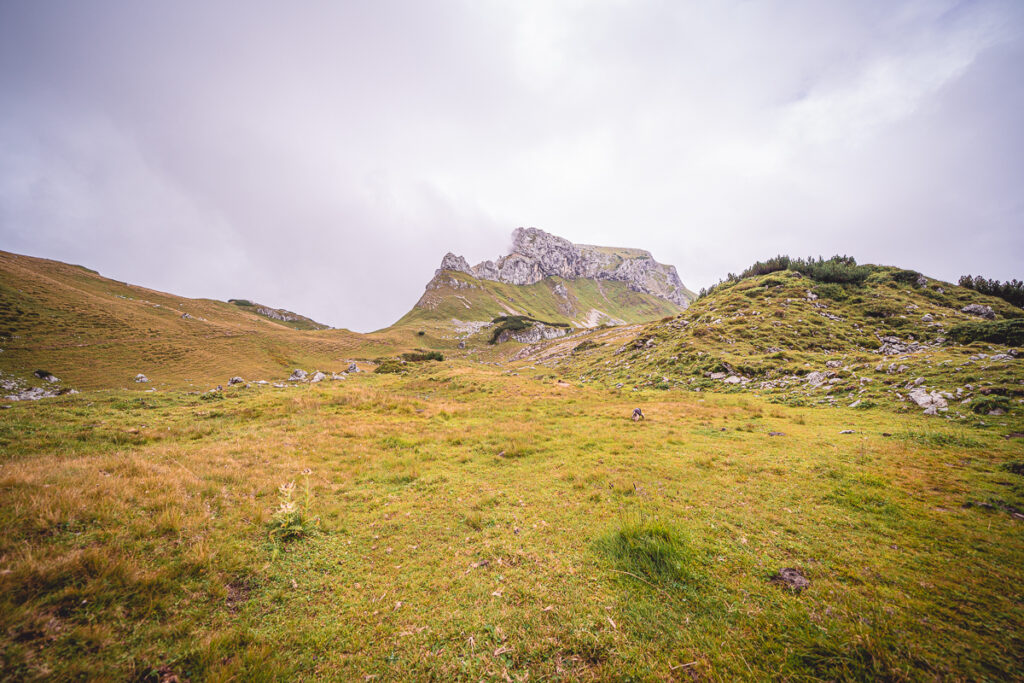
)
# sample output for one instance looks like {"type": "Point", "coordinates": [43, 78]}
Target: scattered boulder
{"type": "Point", "coordinates": [462, 344]}
{"type": "Point", "coordinates": [297, 375]}
{"type": "Point", "coordinates": [979, 310]}
{"type": "Point", "coordinates": [932, 402]}
{"type": "Point", "coordinates": [816, 379]}
{"type": "Point", "coordinates": [44, 375]}
{"type": "Point", "coordinates": [352, 367]}
{"type": "Point", "coordinates": [235, 380]}
{"type": "Point", "coordinates": [186, 316]}
{"type": "Point", "coordinates": [732, 379]}
{"type": "Point", "coordinates": [141, 378]}
{"type": "Point", "coordinates": [927, 318]}
{"type": "Point", "coordinates": [847, 431]}
{"type": "Point", "coordinates": [833, 364]}
{"type": "Point", "coordinates": [637, 415]}
{"type": "Point", "coordinates": [776, 433]}
{"type": "Point", "coordinates": [792, 579]}
{"type": "Point", "coordinates": [318, 377]}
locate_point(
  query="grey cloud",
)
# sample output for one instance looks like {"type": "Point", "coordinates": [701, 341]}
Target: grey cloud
{"type": "Point", "coordinates": [322, 157]}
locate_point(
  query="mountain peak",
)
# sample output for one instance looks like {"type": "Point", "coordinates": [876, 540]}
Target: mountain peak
{"type": "Point", "coordinates": [536, 254]}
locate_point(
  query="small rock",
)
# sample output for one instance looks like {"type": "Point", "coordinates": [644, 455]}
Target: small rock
{"type": "Point", "coordinates": [141, 378]}
{"type": "Point", "coordinates": [790, 578]}
{"type": "Point", "coordinates": [318, 377]}
{"type": "Point", "coordinates": [44, 375]}
{"type": "Point", "coordinates": [732, 379]}
{"type": "Point", "coordinates": [297, 375]}
{"type": "Point", "coordinates": [235, 380]}
{"type": "Point", "coordinates": [847, 431]}
{"type": "Point", "coordinates": [927, 318]}
{"type": "Point", "coordinates": [776, 434]}
{"type": "Point", "coordinates": [352, 367]}
{"type": "Point", "coordinates": [833, 364]}
{"type": "Point", "coordinates": [855, 403]}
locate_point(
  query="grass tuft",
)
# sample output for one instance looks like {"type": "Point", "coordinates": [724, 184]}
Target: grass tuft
{"type": "Point", "coordinates": [652, 551]}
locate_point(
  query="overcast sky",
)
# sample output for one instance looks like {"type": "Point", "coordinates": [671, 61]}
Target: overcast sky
{"type": "Point", "coordinates": [323, 156]}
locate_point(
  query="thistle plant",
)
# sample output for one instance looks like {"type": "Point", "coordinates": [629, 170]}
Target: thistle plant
{"type": "Point", "coordinates": [292, 519]}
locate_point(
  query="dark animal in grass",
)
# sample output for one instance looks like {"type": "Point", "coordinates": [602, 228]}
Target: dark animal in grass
{"type": "Point", "coordinates": [637, 414]}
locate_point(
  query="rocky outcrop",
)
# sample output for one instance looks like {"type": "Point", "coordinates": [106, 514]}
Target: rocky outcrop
{"type": "Point", "coordinates": [532, 335]}
{"type": "Point", "coordinates": [536, 255]}
{"type": "Point", "coordinates": [979, 310]}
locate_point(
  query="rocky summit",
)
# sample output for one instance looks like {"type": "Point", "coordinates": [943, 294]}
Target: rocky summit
{"type": "Point", "coordinates": [536, 255]}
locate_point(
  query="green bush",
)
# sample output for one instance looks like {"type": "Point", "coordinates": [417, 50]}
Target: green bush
{"type": "Point", "coordinates": [586, 346]}
{"type": "Point", "coordinates": [907, 277]}
{"type": "Point", "coordinates": [1009, 332]}
{"type": "Point", "coordinates": [986, 404]}
{"type": "Point", "coordinates": [390, 366]}
{"type": "Point", "coordinates": [420, 356]}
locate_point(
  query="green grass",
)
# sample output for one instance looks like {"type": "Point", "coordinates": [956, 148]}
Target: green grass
{"type": "Point", "coordinates": [473, 524]}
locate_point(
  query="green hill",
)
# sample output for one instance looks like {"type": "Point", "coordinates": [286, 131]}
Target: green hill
{"type": "Point", "coordinates": [801, 340]}
{"type": "Point", "coordinates": [93, 332]}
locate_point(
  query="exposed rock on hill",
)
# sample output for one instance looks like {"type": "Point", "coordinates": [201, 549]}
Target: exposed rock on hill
{"type": "Point", "coordinates": [531, 335]}
{"type": "Point", "coordinates": [536, 255]}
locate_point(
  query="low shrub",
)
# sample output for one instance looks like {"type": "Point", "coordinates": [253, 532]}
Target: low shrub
{"type": "Point", "coordinates": [1009, 332]}
{"type": "Point", "coordinates": [420, 356]}
{"type": "Point", "coordinates": [986, 404]}
{"type": "Point", "coordinates": [907, 277]}
{"type": "Point", "coordinates": [390, 366]}
{"type": "Point", "coordinates": [586, 346]}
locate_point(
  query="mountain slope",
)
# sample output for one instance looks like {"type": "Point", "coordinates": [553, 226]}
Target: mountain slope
{"type": "Point", "coordinates": [893, 339]}
{"type": "Point", "coordinates": [93, 332]}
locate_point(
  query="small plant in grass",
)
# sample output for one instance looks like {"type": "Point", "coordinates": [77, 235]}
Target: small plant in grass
{"type": "Point", "coordinates": [293, 519]}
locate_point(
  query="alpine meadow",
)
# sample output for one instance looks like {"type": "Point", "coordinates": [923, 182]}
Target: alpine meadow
{"type": "Point", "coordinates": [512, 341]}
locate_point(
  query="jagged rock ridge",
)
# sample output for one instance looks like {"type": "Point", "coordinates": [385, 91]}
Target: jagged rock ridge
{"type": "Point", "coordinates": [536, 255]}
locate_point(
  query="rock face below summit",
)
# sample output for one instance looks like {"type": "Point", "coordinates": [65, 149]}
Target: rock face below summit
{"type": "Point", "coordinates": [536, 255]}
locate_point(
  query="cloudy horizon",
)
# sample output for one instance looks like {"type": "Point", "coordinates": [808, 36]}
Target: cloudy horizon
{"type": "Point", "coordinates": [324, 157]}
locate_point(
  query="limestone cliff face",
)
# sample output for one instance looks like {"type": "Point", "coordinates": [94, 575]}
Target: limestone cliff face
{"type": "Point", "coordinates": [536, 255]}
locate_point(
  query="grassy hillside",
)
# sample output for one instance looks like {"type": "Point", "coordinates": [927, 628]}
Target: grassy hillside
{"type": "Point", "coordinates": [464, 524]}
{"type": "Point", "coordinates": [286, 318]}
{"type": "Point", "coordinates": [581, 303]}
{"type": "Point", "coordinates": [773, 334]}
{"type": "Point", "coordinates": [94, 332]}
